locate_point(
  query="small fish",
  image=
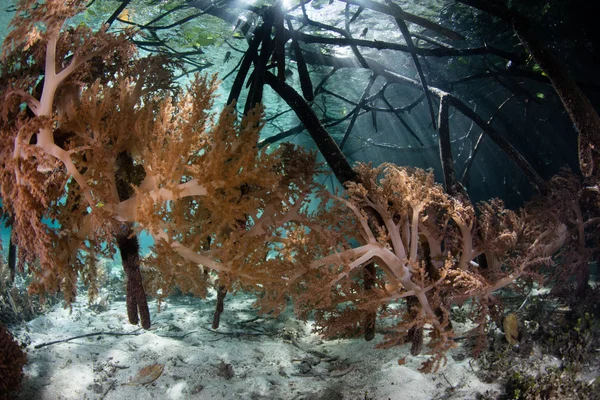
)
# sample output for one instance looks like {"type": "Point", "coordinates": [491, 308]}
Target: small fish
{"type": "Point", "coordinates": [227, 57]}
{"type": "Point", "coordinates": [147, 375]}
{"type": "Point", "coordinates": [364, 32]}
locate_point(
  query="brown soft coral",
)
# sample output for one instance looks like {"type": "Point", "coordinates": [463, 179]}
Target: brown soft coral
{"type": "Point", "coordinates": [12, 360]}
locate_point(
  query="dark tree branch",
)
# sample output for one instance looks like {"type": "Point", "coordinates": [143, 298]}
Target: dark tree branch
{"type": "Point", "coordinates": [233, 70]}
{"type": "Point", "coordinates": [582, 112]}
{"type": "Point", "coordinates": [324, 81]}
{"type": "Point", "coordinates": [166, 14]}
{"type": "Point", "coordinates": [431, 40]}
{"type": "Point", "coordinates": [411, 48]}
{"type": "Point", "coordinates": [303, 75]}
{"type": "Point", "coordinates": [403, 122]}
{"type": "Point", "coordinates": [504, 144]}
{"type": "Point", "coordinates": [282, 135]}
{"type": "Point", "coordinates": [469, 162]}
{"type": "Point", "coordinates": [260, 64]}
{"type": "Point", "coordinates": [370, 319]}
{"type": "Point", "coordinates": [356, 14]}
{"type": "Point", "coordinates": [340, 97]}
{"type": "Point", "coordinates": [425, 23]}
{"type": "Point", "coordinates": [426, 52]}
{"type": "Point", "coordinates": [12, 258]}
{"type": "Point", "coordinates": [407, 108]}
{"type": "Point", "coordinates": [325, 143]}
{"type": "Point", "coordinates": [155, 28]}
{"type": "Point", "coordinates": [374, 119]}
{"type": "Point", "coordinates": [248, 59]}
{"type": "Point", "coordinates": [327, 123]}
{"type": "Point", "coordinates": [137, 304]}
{"type": "Point", "coordinates": [127, 175]}
{"type": "Point", "coordinates": [104, 333]}
{"type": "Point", "coordinates": [347, 34]}
{"type": "Point", "coordinates": [280, 39]}
{"type": "Point", "coordinates": [453, 186]}
{"type": "Point", "coordinates": [117, 12]}
{"type": "Point", "coordinates": [355, 116]}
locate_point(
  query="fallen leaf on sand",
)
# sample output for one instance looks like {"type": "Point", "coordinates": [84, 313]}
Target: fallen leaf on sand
{"type": "Point", "coordinates": [146, 375]}
{"type": "Point", "coordinates": [341, 372]}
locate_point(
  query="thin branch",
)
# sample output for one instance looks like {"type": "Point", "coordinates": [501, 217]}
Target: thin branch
{"type": "Point", "coordinates": [327, 146]}
{"type": "Point", "coordinates": [467, 167]}
{"type": "Point", "coordinates": [408, 128]}
{"type": "Point", "coordinates": [303, 75]}
{"type": "Point", "coordinates": [247, 61]}
{"type": "Point", "coordinates": [578, 106]}
{"type": "Point", "coordinates": [355, 116]}
{"type": "Point", "coordinates": [453, 186]}
{"type": "Point", "coordinates": [427, 52]}
{"type": "Point", "coordinates": [425, 23]}
{"type": "Point", "coordinates": [134, 333]}
{"type": "Point", "coordinates": [502, 142]}
{"type": "Point", "coordinates": [412, 49]}
{"type": "Point", "coordinates": [321, 84]}
{"type": "Point", "coordinates": [118, 12]}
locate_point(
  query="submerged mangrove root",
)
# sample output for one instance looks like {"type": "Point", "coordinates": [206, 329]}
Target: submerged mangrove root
{"type": "Point", "coordinates": [137, 305]}
{"type": "Point", "coordinates": [369, 322]}
{"type": "Point", "coordinates": [221, 293]}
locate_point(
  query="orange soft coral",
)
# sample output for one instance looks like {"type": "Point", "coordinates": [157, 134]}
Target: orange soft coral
{"type": "Point", "coordinates": [208, 196]}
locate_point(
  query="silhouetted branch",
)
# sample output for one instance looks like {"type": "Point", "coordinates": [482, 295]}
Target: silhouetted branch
{"type": "Point", "coordinates": [234, 69]}
{"type": "Point", "coordinates": [427, 52]}
{"type": "Point", "coordinates": [355, 116]}
{"type": "Point", "coordinates": [578, 106]}
{"type": "Point", "coordinates": [347, 34]}
{"type": "Point", "coordinates": [425, 23]}
{"type": "Point", "coordinates": [319, 87]}
{"type": "Point", "coordinates": [399, 117]}
{"type": "Point", "coordinates": [12, 258]}
{"type": "Point", "coordinates": [412, 49]}
{"type": "Point", "coordinates": [467, 167]}
{"type": "Point", "coordinates": [260, 67]}
{"type": "Point", "coordinates": [391, 76]}
{"type": "Point", "coordinates": [247, 61]}
{"type": "Point", "coordinates": [325, 143]}
{"type": "Point", "coordinates": [453, 186]}
{"type": "Point", "coordinates": [431, 40]}
{"type": "Point", "coordinates": [117, 12]}
{"type": "Point", "coordinates": [134, 333]}
{"type": "Point", "coordinates": [303, 75]}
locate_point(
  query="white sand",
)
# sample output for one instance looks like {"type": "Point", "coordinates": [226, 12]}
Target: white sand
{"type": "Point", "coordinates": [264, 362]}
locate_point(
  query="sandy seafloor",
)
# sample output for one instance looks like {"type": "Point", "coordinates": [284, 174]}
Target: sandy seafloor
{"type": "Point", "coordinates": [248, 358]}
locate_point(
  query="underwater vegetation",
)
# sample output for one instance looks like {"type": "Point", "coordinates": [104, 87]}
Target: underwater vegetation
{"type": "Point", "coordinates": [98, 139]}
{"type": "Point", "coordinates": [12, 360]}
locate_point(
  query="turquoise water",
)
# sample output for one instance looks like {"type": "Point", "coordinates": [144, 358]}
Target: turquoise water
{"type": "Point", "coordinates": [144, 239]}
{"type": "Point", "coordinates": [4, 236]}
